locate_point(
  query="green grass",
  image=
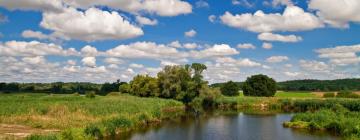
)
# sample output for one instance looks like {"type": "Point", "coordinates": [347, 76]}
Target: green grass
{"type": "Point", "coordinates": [64, 112]}
{"type": "Point", "coordinates": [296, 95]}
{"type": "Point", "coordinates": [338, 120]}
{"type": "Point", "coordinates": [282, 94]}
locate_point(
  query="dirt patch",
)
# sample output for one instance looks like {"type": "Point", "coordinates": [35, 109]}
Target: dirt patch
{"type": "Point", "coordinates": [20, 131]}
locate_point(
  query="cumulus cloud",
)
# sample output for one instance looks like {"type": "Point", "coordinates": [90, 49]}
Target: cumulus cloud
{"type": "Point", "coordinates": [146, 21]}
{"type": "Point", "coordinates": [34, 34]}
{"type": "Point", "coordinates": [89, 51]}
{"type": "Point", "coordinates": [247, 63]}
{"type": "Point", "coordinates": [246, 46]}
{"type": "Point", "coordinates": [39, 5]}
{"type": "Point", "coordinates": [292, 74]}
{"type": "Point", "coordinates": [278, 37]}
{"type": "Point", "coordinates": [315, 66]}
{"type": "Point", "coordinates": [190, 33]}
{"type": "Point", "coordinates": [267, 45]}
{"type": "Point", "coordinates": [136, 66]}
{"type": "Point", "coordinates": [215, 51]}
{"type": "Point", "coordinates": [144, 50]}
{"type": "Point", "coordinates": [277, 59]}
{"type": "Point", "coordinates": [292, 19]}
{"type": "Point", "coordinates": [159, 7]}
{"type": "Point", "coordinates": [244, 3]}
{"type": "Point", "coordinates": [34, 48]}
{"type": "Point", "coordinates": [337, 13]}
{"type": "Point", "coordinates": [341, 55]}
{"type": "Point", "coordinates": [86, 25]}
{"type": "Point", "coordinates": [89, 61]}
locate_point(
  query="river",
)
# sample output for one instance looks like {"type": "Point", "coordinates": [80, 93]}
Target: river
{"type": "Point", "coordinates": [238, 126]}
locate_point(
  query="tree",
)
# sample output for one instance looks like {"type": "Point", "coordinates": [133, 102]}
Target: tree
{"type": "Point", "coordinates": [259, 85]}
{"type": "Point", "coordinates": [144, 86]}
{"type": "Point", "coordinates": [124, 88]}
{"type": "Point", "coordinates": [173, 80]}
{"type": "Point", "coordinates": [230, 89]}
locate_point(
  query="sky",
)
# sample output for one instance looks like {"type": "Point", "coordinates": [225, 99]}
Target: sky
{"type": "Point", "coordinates": [105, 40]}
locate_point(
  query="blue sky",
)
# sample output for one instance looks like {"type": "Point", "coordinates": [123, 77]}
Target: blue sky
{"type": "Point", "coordinates": [97, 41]}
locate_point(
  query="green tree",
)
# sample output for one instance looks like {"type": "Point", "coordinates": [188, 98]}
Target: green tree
{"type": "Point", "coordinates": [173, 80]}
{"type": "Point", "coordinates": [230, 89]}
{"type": "Point", "coordinates": [259, 85]}
{"type": "Point", "coordinates": [144, 86]}
{"type": "Point", "coordinates": [124, 88]}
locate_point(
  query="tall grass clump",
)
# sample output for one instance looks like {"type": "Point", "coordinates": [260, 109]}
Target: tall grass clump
{"type": "Point", "coordinates": [337, 119]}
{"type": "Point", "coordinates": [329, 95]}
{"type": "Point", "coordinates": [347, 94]}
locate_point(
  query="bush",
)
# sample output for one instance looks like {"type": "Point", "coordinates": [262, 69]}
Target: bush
{"type": "Point", "coordinates": [347, 94]}
{"type": "Point", "coordinates": [329, 95]}
{"type": "Point", "coordinates": [90, 94]}
{"type": "Point", "coordinates": [259, 85]}
{"type": "Point", "coordinates": [42, 137]}
{"type": "Point", "coordinates": [230, 89]}
{"type": "Point", "coordinates": [93, 131]}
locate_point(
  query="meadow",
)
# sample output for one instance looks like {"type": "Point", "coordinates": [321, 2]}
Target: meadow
{"type": "Point", "coordinates": [73, 113]}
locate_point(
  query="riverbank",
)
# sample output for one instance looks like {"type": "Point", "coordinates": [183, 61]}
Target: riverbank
{"type": "Point", "coordinates": [80, 117]}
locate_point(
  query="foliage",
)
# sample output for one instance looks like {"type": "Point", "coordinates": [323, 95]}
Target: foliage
{"type": "Point", "coordinates": [124, 88]}
{"type": "Point", "coordinates": [144, 86]}
{"type": "Point", "coordinates": [259, 85]}
{"type": "Point", "coordinates": [336, 119]}
{"type": "Point", "coordinates": [90, 94]}
{"type": "Point", "coordinates": [320, 85]}
{"type": "Point", "coordinates": [347, 94]}
{"type": "Point", "coordinates": [230, 89]}
{"type": "Point", "coordinates": [93, 131]}
{"type": "Point", "coordinates": [42, 137]}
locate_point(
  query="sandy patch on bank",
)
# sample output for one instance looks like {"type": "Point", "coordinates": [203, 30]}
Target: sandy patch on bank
{"type": "Point", "coordinates": [11, 131]}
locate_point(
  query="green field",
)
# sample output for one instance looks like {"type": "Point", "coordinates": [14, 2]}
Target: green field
{"type": "Point", "coordinates": [63, 112]}
{"type": "Point", "coordinates": [282, 94]}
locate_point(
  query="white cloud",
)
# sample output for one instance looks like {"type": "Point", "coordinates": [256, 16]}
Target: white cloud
{"type": "Point", "coordinates": [89, 51]}
{"type": "Point", "coordinates": [71, 62]}
{"type": "Point", "coordinates": [341, 55]}
{"type": "Point", "coordinates": [40, 5]}
{"type": "Point", "coordinates": [202, 4]}
{"type": "Point", "coordinates": [36, 60]}
{"type": "Point", "coordinates": [190, 45]}
{"type": "Point", "coordinates": [337, 13]}
{"type": "Point", "coordinates": [293, 19]}
{"type": "Point", "coordinates": [247, 63]}
{"type": "Point", "coordinates": [276, 3]}
{"type": "Point", "coordinates": [267, 45]}
{"type": "Point", "coordinates": [292, 74]}
{"type": "Point", "coordinates": [246, 46]}
{"type": "Point", "coordinates": [112, 60]}
{"type": "Point", "coordinates": [159, 7]}
{"type": "Point", "coordinates": [212, 18]}
{"type": "Point", "coordinates": [215, 51]}
{"type": "Point", "coordinates": [146, 21]}
{"type": "Point", "coordinates": [34, 34]}
{"type": "Point", "coordinates": [315, 66]}
{"type": "Point", "coordinates": [89, 61]}
{"type": "Point", "coordinates": [144, 50]}
{"type": "Point", "coordinates": [175, 44]}
{"type": "Point", "coordinates": [190, 33]}
{"type": "Point", "coordinates": [277, 59]}
{"type": "Point", "coordinates": [245, 3]}
{"type": "Point", "coordinates": [137, 66]}
{"type": "Point", "coordinates": [278, 37]}
{"type": "Point", "coordinates": [34, 48]}
{"type": "Point", "coordinates": [87, 26]}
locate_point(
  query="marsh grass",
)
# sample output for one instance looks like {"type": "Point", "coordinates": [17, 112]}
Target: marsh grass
{"type": "Point", "coordinates": [64, 112]}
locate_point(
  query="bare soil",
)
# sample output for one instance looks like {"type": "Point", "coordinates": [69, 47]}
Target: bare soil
{"type": "Point", "coordinates": [15, 132]}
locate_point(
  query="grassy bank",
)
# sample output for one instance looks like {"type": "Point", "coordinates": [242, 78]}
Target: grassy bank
{"type": "Point", "coordinates": [80, 117]}
{"type": "Point", "coordinates": [337, 119]}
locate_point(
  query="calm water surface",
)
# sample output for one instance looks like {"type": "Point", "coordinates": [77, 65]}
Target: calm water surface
{"type": "Point", "coordinates": [226, 127]}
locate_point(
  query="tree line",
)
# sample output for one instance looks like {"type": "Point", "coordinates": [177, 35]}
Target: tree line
{"type": "Point", "coordinates": [311, 85]}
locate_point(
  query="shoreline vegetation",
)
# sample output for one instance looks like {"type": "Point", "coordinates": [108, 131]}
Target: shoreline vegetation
{"type": "Point", "coordinates": [102, 111]}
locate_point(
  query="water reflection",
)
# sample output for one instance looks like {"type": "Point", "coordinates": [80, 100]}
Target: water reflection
{"type": "Point", "coordinates": [226, 127]}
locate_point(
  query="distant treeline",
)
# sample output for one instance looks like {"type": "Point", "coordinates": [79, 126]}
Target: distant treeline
{"type": "Point", "coordinates": [313, 85]}
{"type": "Point", "coordinates": [60, 87]}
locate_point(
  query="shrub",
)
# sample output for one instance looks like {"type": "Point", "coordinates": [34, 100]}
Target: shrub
{"type": "Point", "coordinates": [90, 94]}
{"type": "Point", "coordinates": [259, 85]}
{"type": "Point", "coordinates": [347, 94]}
{"type": "Point", "coordinates": [93, 131]}
{"type": "Point", "coordinates": [230, 89]}
{"type": "Point", "coordinates": [329, 95]}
